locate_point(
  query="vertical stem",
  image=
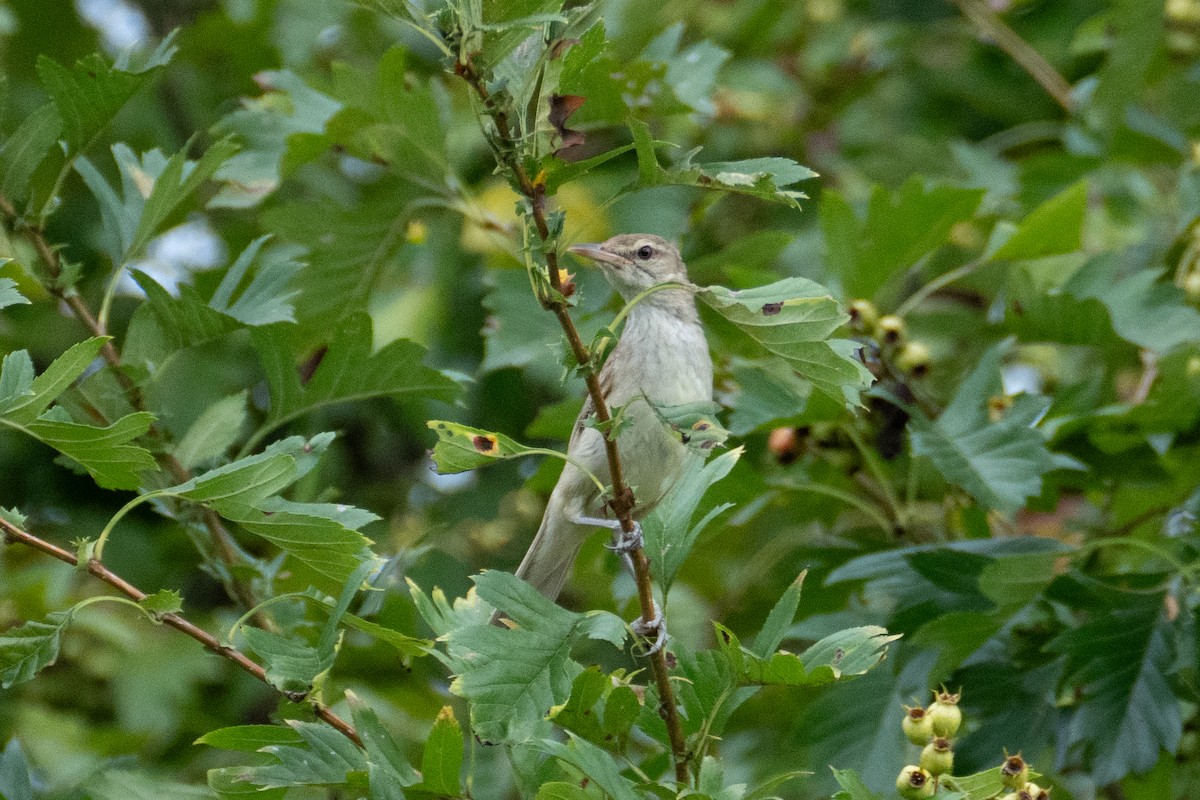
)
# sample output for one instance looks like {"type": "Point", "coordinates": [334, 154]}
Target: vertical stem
{"type": "Point", "coordinates": [622, 502]}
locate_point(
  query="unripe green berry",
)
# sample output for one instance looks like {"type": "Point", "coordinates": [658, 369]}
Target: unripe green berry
{"type": "Point", "coordinates": [917, 725]}
{"type": "Point", "coordinates": [1191, 287]}
{"type": "Point", "coordinates": [913, 360]}
{"type": "Point", "coordinates": [863, 316]}
{"type": "Point", "coordinates": [945, 714]}
{"type": "Point", "coordinates": [914, 783]}
{"type": "Point", "coordinates": [890, 330]}
{"type": "Point", "coordinates": [1014, 772]}
{"type": "Point", "coordinates": [937, 758]}
{"type": "Point", "coordinates": [1036, 792]}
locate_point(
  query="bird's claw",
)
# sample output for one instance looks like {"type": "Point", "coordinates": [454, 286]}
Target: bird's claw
{"type": "Point", "coordinates": [625, 542]}
{"type": "Point", "coordinates": [655, 628]}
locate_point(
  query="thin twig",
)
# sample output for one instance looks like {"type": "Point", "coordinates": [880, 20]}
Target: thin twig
{"type": "Point", "coordinates": [12, 533]}
{"type": "Point", "coordinates": [989, 23]}
{"type": "Point", "coordinates": [623, 501]}
{"type": "Point", "coordinates": [222, 540]}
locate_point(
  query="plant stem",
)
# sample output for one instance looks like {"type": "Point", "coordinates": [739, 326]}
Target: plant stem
{"type": "Point", "coordinates": [622, 501]}
{"type": "Point", "coordinates": [1027, 57]}
{"type": "Point", "coordinates": [12, 533]}
{"type": "Point", "coordinates": [223, 542]}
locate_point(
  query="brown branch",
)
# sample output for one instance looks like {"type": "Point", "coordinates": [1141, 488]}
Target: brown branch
{"type": "Point", "coordinates": [989, 23]}
{"type": "Point", "coordinates": [622, 502]}
{"type": "Point", "coordinates": [12, 533]}
{"type": "Point", "coordinates": [221, 537]}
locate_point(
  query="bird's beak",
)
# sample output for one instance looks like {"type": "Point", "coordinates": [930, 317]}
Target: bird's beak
{"type": "Point", "coordinates": [596, 252]}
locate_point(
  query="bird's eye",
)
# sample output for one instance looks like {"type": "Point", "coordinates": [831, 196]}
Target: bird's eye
{"type": "Point", "coordinates": [644, 252]}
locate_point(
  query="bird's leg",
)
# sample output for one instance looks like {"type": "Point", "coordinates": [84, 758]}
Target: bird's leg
{"type": "Point", "coordinates": [624, 543]}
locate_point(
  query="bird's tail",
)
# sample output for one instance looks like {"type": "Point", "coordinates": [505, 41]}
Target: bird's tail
{"type": "Point", "coordinates": [551, 555]}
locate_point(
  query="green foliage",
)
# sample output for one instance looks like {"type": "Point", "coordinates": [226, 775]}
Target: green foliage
{"type": "Point", "coordinates": [1002, 474]}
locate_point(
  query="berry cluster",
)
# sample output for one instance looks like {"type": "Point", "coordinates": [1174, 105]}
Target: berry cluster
{"type": "Point", "coordinates": [933, 728]}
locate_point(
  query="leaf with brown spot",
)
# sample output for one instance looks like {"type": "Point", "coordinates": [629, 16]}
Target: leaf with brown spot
{"type": "Point", "coordinates": [562, 106]}
{"type": "Point", "coordinates": [460, 448]}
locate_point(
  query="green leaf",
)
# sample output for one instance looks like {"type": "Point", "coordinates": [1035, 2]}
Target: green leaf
{"type": "Point", "coordinates": [999, 463]}
{"type": "Point", "coordinates": [291, 665]}
{"type": "Point", "coordinates": [9, 296]}
{"type": "Point", "coordinates": [794, 318]}
{"type": "Point", "coordinates": [266, 296]}
{"type": "Point", "coordinates": [29, 648]}
{"type": "Point", "coordinates": [326, 758]}
{"type": "Point", "coordinates": [164, 601]}
{"type": "Point", "coordinates": [216, 430]}
{"type": "Point", "coordinates": [852, 786]}
{"type": "Point", "coordinates": [119, 784]}
{"type": "Point", "coordinates": [250, 738]}
{"type": "Point", "coordinates": [513, 677]}
{"type": "Point", "coordinates": [442, 761]}
{"type": "Point", "coordinates": [106, 453]}
{"type": "Point", "coordinates": [25, 150]}
{"type": "Point", "coordinates": [695, 424]}
{"type": "Point", "coordinates": [593, 763]}
{"type": "Point", "coordinates": [24, 397]}
{"type": "Point", "coordinates": [287, 108]}
{"type": "Point", "coordinates": [460, 447]}
{"type": "Point", "coordinates": [867, 254]}
{"type": "Point", "coordinates": [15, 780]}
{"type": "Point", "coordinates": [982, 785]}
{"type": "Point", "coordinates": [184, 321]}
{"type": "Point", "coordinates": [408, 646]}
{"type": "Point", "coordinates": [761, 178]}
{"type": "Point", "coordinates": [1118, 661]}
{"type": "Point", "coordinates": [1054, 227]}
{"type": "Point", "coordinates": [599, 710]}
{"type": "Point", "coordinates": [778, 622]}
{"type": "Point", "coordinates": [347, 372]}
{"type": "Point", "coordinates": [669, 530]}
{"type": "Point", "coordinates": [847, 653]}
{"type": "Point", "coordinates": [384, 754]}
{"type": "Point", "coordinates": [178, 179]}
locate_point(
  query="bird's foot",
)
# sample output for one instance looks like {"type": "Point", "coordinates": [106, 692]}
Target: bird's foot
{"type": "Point", "coordinates": [655, 629]}
{"type": "Point", "coordinates": [625, 542]}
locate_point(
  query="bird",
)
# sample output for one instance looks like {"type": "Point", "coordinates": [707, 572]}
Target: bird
{"type": "Point", "coordinates": [661, 359]}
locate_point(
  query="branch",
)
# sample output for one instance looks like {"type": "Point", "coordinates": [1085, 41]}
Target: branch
{"type": "Point", "coordinates": [989, 23]}
{"type": "Point", "coordinates": [623, 501]}
{"type": "Point", "coordinates": [225, 549]}
{"type": "Point", "coordinates": [12, 533]}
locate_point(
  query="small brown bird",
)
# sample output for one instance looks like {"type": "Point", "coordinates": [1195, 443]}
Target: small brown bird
{"type": "Point", "coordinates": [662, 358]}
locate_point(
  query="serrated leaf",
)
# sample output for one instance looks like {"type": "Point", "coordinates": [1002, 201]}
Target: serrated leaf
{"type": "Point", "coordinates": [164, 601]}
{"type": "Point", "coordinates": [106, 453]}
{"type": "Point", "coordinates": [177, 180]}
{"type": "Point", "coordinates": [794, 318]}
{"type": "Point", "coordinates": [409, 646]}
{"type": "Point", "coordinates": [291, 664]}
{"type": "Point", "coordinates": [1054, 227]}
{"type": "Point", "coordinates": [325, 758]}
{"type": "Point", "coordinates": [514, 676]}
{"type": "Point", "coordinates": [384, 754]}
{"type": "Point", "coordinates": [25, 150]}
{"type": "Point", "coordinates": [266, 297]}
{"type": "Point", "coordinates": [999, 463]}
{"type": "Point", "coordinates": [23, 397]}
{"type": "Point", "coordinates": [442, 760]}
{"type": "Point", "coordinates": [1128, 714]}
{"type": "Point", "coordinates": [216, 430]}
{"type": "Point", "coordinates": [250, 738]}
{"type": "Point", "coordinates": [982, 785]}
{"type": "Point", "coordinates": [118, 784]}
{"type": "Point", "coordinates": [13, 516]}
{"type": "Point", "coordinates": [847, 653]}
{"type": "Point", "coordinates": [595, 764]}
{"type": "Point", "coordinates": [669, 530]}
{"type": "Point", "coordinates": [348, 371]}
{"type": "Point", "coordinates": [900, 228]}
{"type": "Point", "coordinates": [9, 296]}
{"type": "Point", "coordinates": [852, 786]}
{"type": "Point", "coordinates": [460, 447]}
{"type": "Point", "coordinates": [779, 620]}
{"type": "Point", "coordinates": [29, 648]}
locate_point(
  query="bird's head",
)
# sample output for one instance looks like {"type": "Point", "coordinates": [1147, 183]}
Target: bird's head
{"type": "Point", "coordinates": [633, 262]}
